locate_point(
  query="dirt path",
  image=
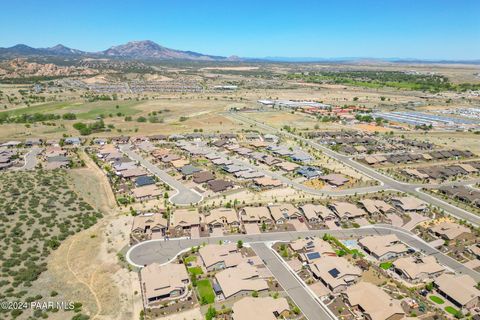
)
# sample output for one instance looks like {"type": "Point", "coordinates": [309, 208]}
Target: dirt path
{"type": "Point", "coordinates": [109, 203]}
{"type": "Point", "coordinates": [88, 285]}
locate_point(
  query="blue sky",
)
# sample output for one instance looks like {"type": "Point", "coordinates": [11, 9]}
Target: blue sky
{"type": "Point", "coordinates": [428, 29]}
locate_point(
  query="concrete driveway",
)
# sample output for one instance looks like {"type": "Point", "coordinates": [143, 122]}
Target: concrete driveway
{"type": "Point", "coordinates": [30, 159]}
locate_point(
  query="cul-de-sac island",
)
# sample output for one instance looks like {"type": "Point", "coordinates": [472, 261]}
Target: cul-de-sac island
{"type": "Point", "coordinates": [143, 182]}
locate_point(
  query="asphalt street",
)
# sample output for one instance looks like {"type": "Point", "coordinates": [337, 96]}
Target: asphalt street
{"type": "Point", "coordinates": [161, 251]}
{"type": "Point", "coordinates": [311, 307]}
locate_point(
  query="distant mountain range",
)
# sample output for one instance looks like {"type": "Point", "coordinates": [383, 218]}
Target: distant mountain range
{"type": "Point", "coordinates": [139, 50]}
{"type": "Point", "coordinates": [149, 50]}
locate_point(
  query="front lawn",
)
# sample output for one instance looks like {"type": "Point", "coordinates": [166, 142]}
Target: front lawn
{"type": "Point", "coordinates": [205, 291]}
{"type": "Point", "coordinates": [437, 299]}
{"type": "Point", "coordinates": [190, 259]}
{"type": "Point", "coordinates": [386, 265]}
{"type": "Point", "coordinates": [451, 310]}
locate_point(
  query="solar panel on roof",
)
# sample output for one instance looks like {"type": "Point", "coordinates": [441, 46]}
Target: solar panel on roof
{"type": "Point", "coordinates": [334, 272]}
{"type": "Point", "coordinates": [313, 255]}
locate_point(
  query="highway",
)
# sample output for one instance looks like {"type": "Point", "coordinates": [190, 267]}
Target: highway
{"type": "Point", "coordinates": [183, 195]}
{"type": "Point", "coordinates": [387, 182]}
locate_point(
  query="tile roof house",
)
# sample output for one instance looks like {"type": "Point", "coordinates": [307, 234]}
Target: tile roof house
{"type": "Point", "coordinates": [315, 245]}
{"type": "Point", "coordinates": [189, 170]}
{"type": "Point", "coordinates": [255, 215]}
{"type": "Point", "coordinates": [309, 172]}
{"type": "Point", "coordinates": [418, 269]}
{"type": "Point", "coordinates": [149, 223]}
{"type": "Point", "coordinates": [146, 192]}
{"type": "Point", "coordinates": [336, 273]}
{"type": "Point", "coordinates": [335, 179]}
{"type": "Point", "coordinates": [144, 181]}
{"type": "Point", "coordinates": [218, 257]}
{"type": "Point", "coordinates": [163, 282]}
{"type": "Point", "coordinates": [287, 166]}
{"type": "Point", "coordinates": [374, 206]}
{"type": "Point", "coordinates": [185, 219]}
{"type": "Point", "coordinates": [373, 302]}
{"type": "Point", "coordinates": [451, 231]}
{"type": "Point", "coordinates": [222, 218]}
{"type": "Point", "coordinates": [240, 280]}
{"type": "Point", "coordinates": [346, 210]}
{"type": "Point", "coordinates": [219, 185]}
{"type": "Point", "coordinates": [264, 308]}
{"type": "Point", "coordinates": [316, 212]}
{"type": "Point", "coordinates": [281, 213]}
{"type": "Point", "coordinates": [460, 290]}
{"type": "Point", "coordinates": [409, 203]}
{"type": "Point", "coordinates": [202, 177]}
{"type": "Point", "coordinates": [384, 247]}
{"type": "Point", "coordinates": [267, 182]}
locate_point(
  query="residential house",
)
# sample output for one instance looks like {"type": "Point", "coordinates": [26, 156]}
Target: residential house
{"type": "Point", "coordinates": [163, 282]}
{"type": "Point", "coordinates": [336, 273]}
{"type": "Point", "coordinates": [376, 207]}
{"type": "Point", "coordinates": [335, 179]}
{"type": "Point", "coordinates": [309, 172]}
{"type": "Point", "coordinates": [144, 181]}
{"type": "Point", "coordinates": [222, 218]}
{"type": "Point", "coordinates": [264, 308]}
{"type": "Point", "coordinates": [346, 210]}
{"type": "Point", "coordinates": [202, 177]}
{"type": "Point", "coordinates": [418, 269]}
{"type": "Point", "coordinates": [219, 185]}
{"type": "Point", "coordinates": [373, 302]}
{"type": "Point", "coordinates": [267, 182]}
{"type": "Point", "coordinates": [409, 204]}
{"type": "Point", "coordinates": [239, 281]}
{"type": "Point", "coordinates": [452, 231]}
{"type": "Point", "coordinates": [257, 215]}
{"type": "Point", "coordinates": [146, 192]}
{"type": "Point", "coordinates": [185, 219]}
{"type": "Point", "coordinates": [384, 247]}
{"type": "Point", "coordinates": [149, 223]}
{"type": "Point", "coordinates": [317, 212]}
{"type": "Point", "coordinates": [220, 256]}
{"type": "Point", "coordinates": [460, 290]}
{"type": "Point", "coordinates": [282, 213]}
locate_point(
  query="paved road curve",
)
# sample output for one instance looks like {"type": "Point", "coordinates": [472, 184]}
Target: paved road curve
{"type": "Point", "coordinates": [387, 182]}
{"type": "Point", "coordinates": [184, 196]}
{"type": "Point", "coordinates": [311, 308]}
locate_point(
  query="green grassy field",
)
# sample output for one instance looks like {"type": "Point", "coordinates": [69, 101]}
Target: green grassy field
{"type": "Point", "coordinates": [84, 111]}
{"type": "Point", "coordinates": [205, 291]}
{"type": "Point", "coordinates": [195, 270]}
{"type": "Point", "coordinates": [437, 299]}
{"type": "Point", "coordinates": [451, 310]}
{"type": "Point", "coordinates": [386, 265]}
